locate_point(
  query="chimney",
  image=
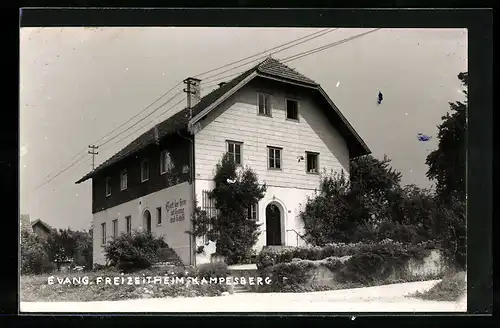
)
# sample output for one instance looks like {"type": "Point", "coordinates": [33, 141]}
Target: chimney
{"type": "Point", "coordinates": [221, 84]}
{"type": "Point", "coordinates": [193, 90]}
{"type": "Point", "coordinates": [25, 222]}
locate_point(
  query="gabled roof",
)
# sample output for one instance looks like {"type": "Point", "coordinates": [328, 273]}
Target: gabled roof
{"type": "Point", "coordinates": [269, 68]}
{"type": "Point", "coordinates": [43, 224]}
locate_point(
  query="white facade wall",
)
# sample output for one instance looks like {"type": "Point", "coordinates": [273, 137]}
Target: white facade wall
{"type": "Point", "coordinates": [173, 232]}
{"type": "Point", "coordinates": [236, 119]}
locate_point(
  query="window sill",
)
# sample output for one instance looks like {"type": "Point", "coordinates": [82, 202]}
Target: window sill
{"type": "Point", "coordinates": [163, 173]}
{"type": "Point", "coordinates": [274, 169]}
{"type": "Point", "coordinates": [142, 181]}
{"type": "Point", "coordinates": [123, 189]}
{"type": "Point", "coordinates": [292, 120]}
{"type": "Point", "coordinates": [159, 224]}
{"type": "Point", "coordinates": [108, 195]}
{"type": "Point", "coordinates": [265, 115]}
{"type": "Point", "coordinates": [313, 173]}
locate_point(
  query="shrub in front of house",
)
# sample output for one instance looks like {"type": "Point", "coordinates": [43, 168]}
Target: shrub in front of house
{"type": "Point", "coordinates": [350, 265]}
{"type": "Point", "coordinates": [34, 255]}
{"type": "Point", "coordinates": [134, 251]}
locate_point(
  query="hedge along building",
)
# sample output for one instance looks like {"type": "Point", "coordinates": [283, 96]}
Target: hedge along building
{"type": "Point", "coordinates": [270, 118]}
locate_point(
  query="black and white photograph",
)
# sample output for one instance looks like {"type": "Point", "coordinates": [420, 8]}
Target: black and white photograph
{"type": "Point", "coordinates": [243, 169]}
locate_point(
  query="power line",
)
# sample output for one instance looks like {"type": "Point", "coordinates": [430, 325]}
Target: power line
{"type": "Point", "coordinates": [302, 54]}
{"type": "Point", "coordinates": [315, 50]}
{"type": "Point", "coordinates": [272, 53]}
{"type": "Point", "coordinates": [142, 111]}
{"type": "Point", "coordinates": [142, 119]}
{"type": "Point", "coordinates": [284, 60]}
{"type": "Point", "coordinates": [260, 53]}
{"type": "Point", "coordinates": [307, 37]}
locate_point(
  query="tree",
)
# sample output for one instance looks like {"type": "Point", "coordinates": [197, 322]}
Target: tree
{"type": "Point", "coordinates": [375, 185]}
{"type": "Point", "coordinates": [231, 228]}
{"type": "Point", "coordinates": [327, 217]}
{"type": "Point", "coordinates": [447, 164]}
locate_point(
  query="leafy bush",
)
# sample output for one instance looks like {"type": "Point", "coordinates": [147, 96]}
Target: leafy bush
{"type": "Point", "coordinates": [137, 250]}
{"type": "Point", "coordinates": [353, 264]}
{"type": "Point", "coordinates": [34, 255]}
{"type": "Point", "coordinates": [212, 270]}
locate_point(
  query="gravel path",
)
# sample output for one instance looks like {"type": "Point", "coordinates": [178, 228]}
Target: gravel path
{"type": "Point", "coordinates": [389, 298]}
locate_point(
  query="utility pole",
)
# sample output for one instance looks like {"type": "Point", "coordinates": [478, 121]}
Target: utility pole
{"type": "Point", "coordinates": [93, 153]}
{"type": "Point", "coordinates": [189, 90]}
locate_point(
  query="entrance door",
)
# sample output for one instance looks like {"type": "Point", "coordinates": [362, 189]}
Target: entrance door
{"type": "Point", "coordinates": [147, 221]}
{"type": "Point", "coordinates": [273, 225]}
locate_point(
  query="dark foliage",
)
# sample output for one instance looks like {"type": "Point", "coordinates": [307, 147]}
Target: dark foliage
{"type": "Point", "coordinates": [232, 230]}
{"type": "Point", "coordinates": [34, 255]}
{"type": "Point", "coordinates": [137, 250]}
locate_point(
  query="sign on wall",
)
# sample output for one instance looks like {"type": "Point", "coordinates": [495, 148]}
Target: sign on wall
{"type": "Point", "coordinates": [176, 210]}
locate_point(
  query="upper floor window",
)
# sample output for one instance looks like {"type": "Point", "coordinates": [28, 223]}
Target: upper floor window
{"type": "Point", "coordinates": [234, 150]}
{"type": "Point", "coordinates": [292, 109]}
{"type": "Point", "coordinates": [123, 180]}
{"type": "Point", "coordinates": [145, 170]}
{"type": "Point", "coordinates": [274, 157]}
{"type": "Point", "coordinates": [128, 223]}
{"type": "Point", "coordinates": [166, 164]}
{"type": "Point", "coordinates": [103, 233]}
{"type": "Point", "coordinates": [115, 228]}
{"type": "Point", "coordinates": [312, 162]}
{"type": "Point", "coordinates": [108, 186]}
{"type": "Point", "coordinates": [264, 104]}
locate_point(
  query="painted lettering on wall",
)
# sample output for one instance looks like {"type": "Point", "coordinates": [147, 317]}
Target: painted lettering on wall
{"type": "Point", "coordinates": [176, 210]}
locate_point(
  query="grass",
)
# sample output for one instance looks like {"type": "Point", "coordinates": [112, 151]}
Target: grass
{"type": "Point", "coordinates": [449, 289]}
{"type": "Point", "coordinates": [36, 288]}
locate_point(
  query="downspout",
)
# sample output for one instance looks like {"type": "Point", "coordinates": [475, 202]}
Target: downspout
{"type": "Point", "coordinates": [192, 243]}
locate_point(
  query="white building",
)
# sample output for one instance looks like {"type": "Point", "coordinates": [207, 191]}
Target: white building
{"type": "Point", "coordinates": [271, 118]}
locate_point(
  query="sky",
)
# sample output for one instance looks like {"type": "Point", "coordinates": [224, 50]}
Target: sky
{"type": "Point", "coordinates": [79, 84]}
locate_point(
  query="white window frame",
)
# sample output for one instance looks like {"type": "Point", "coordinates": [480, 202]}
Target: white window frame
{"type": "Point", "coordinates": [123, 183]}
{"type": "Point", "coordinates": [269, 148]}
{"type": "Point", "coordinates": [103, 233]}
{"type": "Point", "coordinates": [128, 224]}
{"type": "Point", "coordinates": [307, 162]}
{"type": "Point", "coordinates": [159, 218]}
{"type": "Point", "coordinates": [108, 186]}
{"type": "Point", "coordinates": [144, 179]}
{"type": "Point", "coordinates": [286, 109]}
{"type": "Point", "coordinates": [253, 209]}
{"type": "Point", "coordinates": [234, 143]}
{"type": "Point", "coordinates": [270, 109]}
{"type": "Point", "coordinates": [115, 228]}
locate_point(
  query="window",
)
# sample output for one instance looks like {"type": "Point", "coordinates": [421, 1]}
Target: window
{"type": "Point", "coordinates": [108, 186]}
{"type": "Point", "coordinates": [123, 180]}
{"type": "Point", "coordinates": [274, 155]}
{"type": "Point", "coordinates": [264, 104]}
{"type": "Point", "coordinates": [292, 109]}
{"type": "Point", "coordinates": [253, 212]}
{"type": "Point", "coordinates": [312, 162]}
{"type": "Point", "coordinates": [234, 149]}
{"type": "Point", "coordinates": [166, 164]}
{"type": "Point", "coordinates": [115, 228]}
{"type": "Point", "coordinates": [128, 223]}
{"type": "Point", "coordinates": [103, 233]}
{"type": "Point", "coordinates": [158, 215]}
{"type": "Point", "coordinates": [144, 170]}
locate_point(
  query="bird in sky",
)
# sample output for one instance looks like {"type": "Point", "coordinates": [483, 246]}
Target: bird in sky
{"type": "Point", "coordinates": [380, 98]}
{"type": "Point", "coordinates": [423, 137]}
